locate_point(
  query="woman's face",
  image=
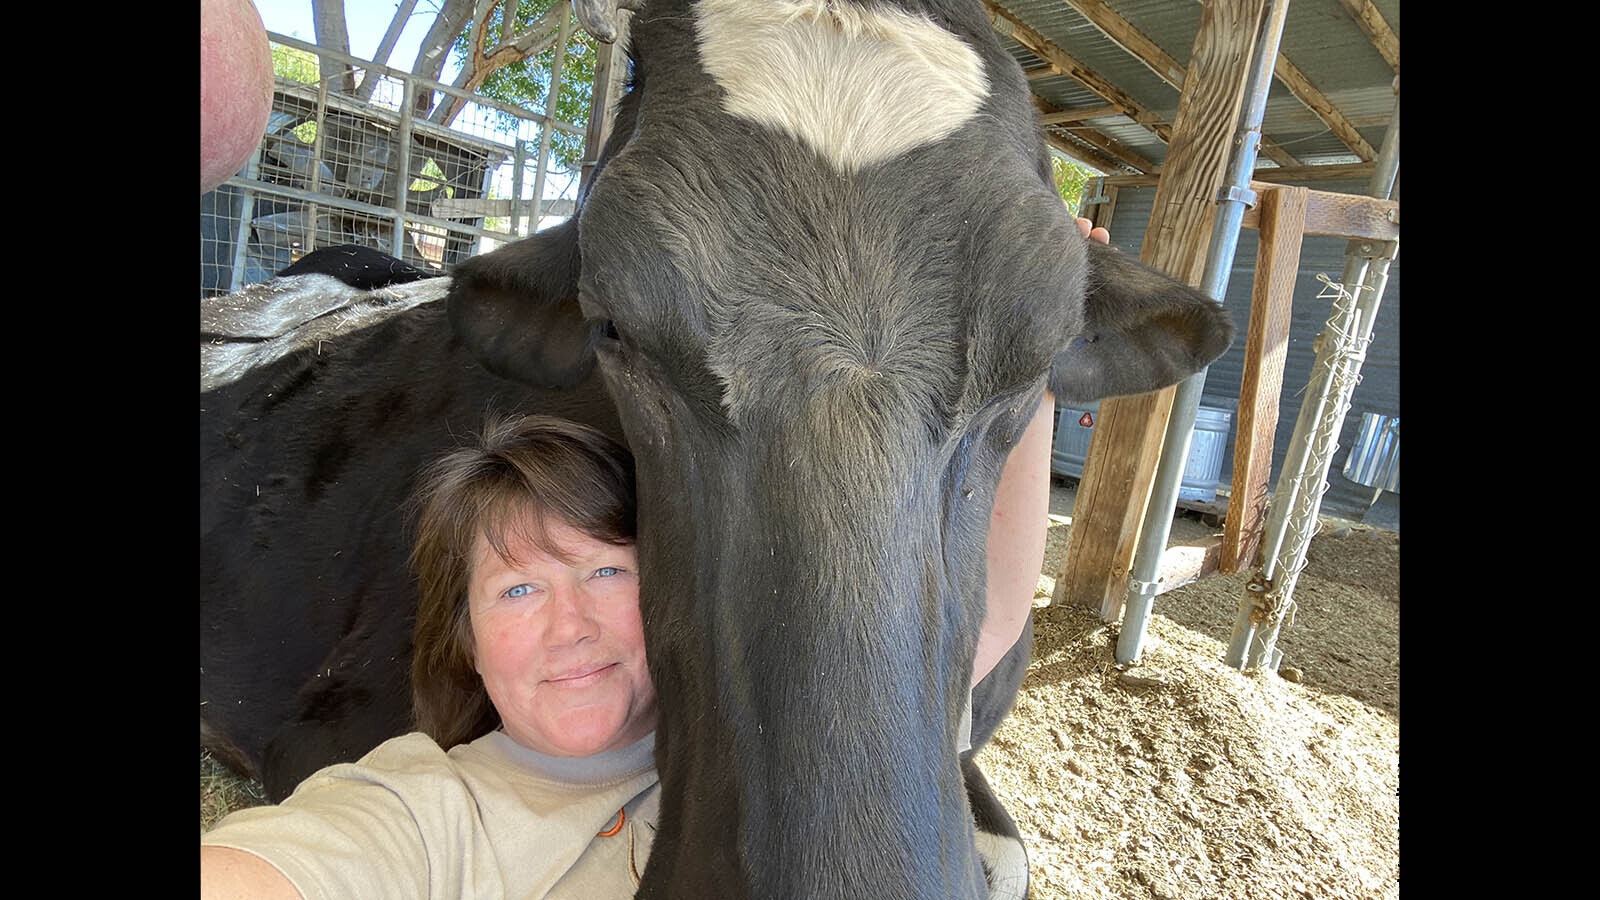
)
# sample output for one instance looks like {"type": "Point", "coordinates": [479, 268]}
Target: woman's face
{"type": "Point", "coordinates": [560, 645]}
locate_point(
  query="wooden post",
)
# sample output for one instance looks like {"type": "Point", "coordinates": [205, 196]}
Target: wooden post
{"type": "Point", "coordinates": [1282, 222]}
{"type": "Point", "coordinates": [610, 68]}
{"type": "Point", "coordinates": [1120, 465]}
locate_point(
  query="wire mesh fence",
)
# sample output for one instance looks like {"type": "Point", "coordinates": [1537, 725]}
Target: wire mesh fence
{"type": "Point", "coordinates": [339, 165]}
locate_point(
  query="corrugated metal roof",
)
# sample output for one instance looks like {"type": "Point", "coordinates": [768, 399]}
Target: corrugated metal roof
{"type": "Point", "coordinates": [1340, 68]}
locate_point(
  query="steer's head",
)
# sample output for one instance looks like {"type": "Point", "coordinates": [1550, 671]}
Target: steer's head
{"type": "Point", "coordinates": [826, 278]}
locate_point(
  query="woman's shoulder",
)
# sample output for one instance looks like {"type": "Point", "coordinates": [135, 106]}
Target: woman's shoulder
{"type": "Point", "coordinates": [406, 760]}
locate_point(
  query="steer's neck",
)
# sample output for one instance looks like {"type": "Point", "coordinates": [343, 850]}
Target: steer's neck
{"type": "Point", "coordinates": [797, 811]}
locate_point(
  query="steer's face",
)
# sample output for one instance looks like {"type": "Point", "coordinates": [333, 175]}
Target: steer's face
{"type": "Point", "coordinates": [826, 282]}
{"type": "Point", "coordinates": [824, 333]}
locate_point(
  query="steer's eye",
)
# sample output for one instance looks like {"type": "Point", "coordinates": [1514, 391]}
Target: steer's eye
{"type": "Point", "coordinates": [605, 329]}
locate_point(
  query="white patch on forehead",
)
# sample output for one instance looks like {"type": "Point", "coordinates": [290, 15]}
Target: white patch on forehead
{"type": "Point", "coordinates": [858, 85]}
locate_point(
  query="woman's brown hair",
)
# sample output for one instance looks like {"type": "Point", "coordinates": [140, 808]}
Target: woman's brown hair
{"type": "Point", "coordinates": [521, 476]}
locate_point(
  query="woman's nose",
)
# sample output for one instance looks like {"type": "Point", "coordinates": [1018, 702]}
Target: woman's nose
{"type": "Point", "coordinates": [570, 620]}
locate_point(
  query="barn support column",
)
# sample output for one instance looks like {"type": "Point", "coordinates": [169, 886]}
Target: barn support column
{"type": "Point", "coordinates": [610, 68]}
{"type": "Point", "coordinates": [1119, 467]}
{"type": "Point", "coordinates": [1292, 517]}
{"type": "Point", "coordinates": [1232, 201]}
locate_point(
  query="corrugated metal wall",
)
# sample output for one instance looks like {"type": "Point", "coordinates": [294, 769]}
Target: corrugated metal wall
{"type": "Point", "coordinates": [1379, 388]}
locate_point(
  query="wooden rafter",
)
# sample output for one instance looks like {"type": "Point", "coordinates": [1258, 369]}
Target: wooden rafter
{"type": "Point", "coordinates": [1362, 171]}
{"type": "Point", "coordinates": [1130, 39]}
{"type": "Point", "coordinates": [1007, 24]}
{"type": "Point", "coordinates": [1070, 116]}
{"type": "Point", "coordinates": [1140, 47]}
{"type": "Point", "coordinates": [1084, 155]}
{"type": "Point", "coordinates": [1113, 150]}
{"type": "Point", "coordinates": [1314, 100]}
{"type": "Point", "coordinates": [1377, 30]}
{"type": "Point", "coordinates": [1301, 86]}
{"type": "Point", "coordinates": [1117, 102]}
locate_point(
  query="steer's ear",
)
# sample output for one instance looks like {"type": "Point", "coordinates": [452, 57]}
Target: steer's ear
{"type": "Point", "coordinates": [1142, 330]}
{"type": "Point", "coordinates": [517, 309]}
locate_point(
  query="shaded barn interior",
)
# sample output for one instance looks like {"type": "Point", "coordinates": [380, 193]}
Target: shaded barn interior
{"type": "Point", "coordinates": [1107, 78]}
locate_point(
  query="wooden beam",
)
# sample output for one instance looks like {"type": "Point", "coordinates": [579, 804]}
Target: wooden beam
{"type": "Point", "coordinates": [1323, 108]}
{"type": "Point", "coordinates": [1361, 171]}
{"type": "Point", "coordinates": [1130, 39]}
{"type": "Point", "coordinates": [1332, 214]}
{"type": "Point", "coordinates": [1007, 24]}
{"type": "Point", "coordinates": [1065, 116]}
{"type": "Point", "coordinates": [448, 208]}
{"type": "Point", "coordinates": [1112, 149]}
{"type": "Point", "coordinates": [1266, 345]}
{"type": "Point", "coordinates": [1119, 467]}
{"type": "Point", "coordinates": [1272, 176]}
{"type": "Point", "coordinates": [1182, 564]}
{"type": "Point", "coordinates": [1277, 154]}
{"type": "Point", "coordinates": [1377, 30]}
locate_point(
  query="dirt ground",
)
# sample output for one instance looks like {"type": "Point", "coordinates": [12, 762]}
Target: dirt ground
{"type": "Point", "coordinates": [1181, 777]}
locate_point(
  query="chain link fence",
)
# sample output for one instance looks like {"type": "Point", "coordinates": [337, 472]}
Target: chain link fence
{"type": "Point", "coordinates": [336, 168]}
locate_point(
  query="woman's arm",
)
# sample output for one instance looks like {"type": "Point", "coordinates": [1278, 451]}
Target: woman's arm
{"type": "Point", "coordinates": [1017, 532]}
{"type": "Point", "coordinates": [1019, 526]}
{"type": "Point", "coordinates": [226, 874]}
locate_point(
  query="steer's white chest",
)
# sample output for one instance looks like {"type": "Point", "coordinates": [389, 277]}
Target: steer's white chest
{"type": "Point", "coordinates": [857, 85]}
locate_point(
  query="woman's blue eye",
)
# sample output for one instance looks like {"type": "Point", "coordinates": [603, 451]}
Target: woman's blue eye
{"type": "Point", "coordinates": [521, 590]}
{"type": "Point", "coordinates": [607, 571]}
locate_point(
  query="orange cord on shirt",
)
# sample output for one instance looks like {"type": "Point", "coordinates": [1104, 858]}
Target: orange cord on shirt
{"type": "Point", "coordinates": [622, 816]}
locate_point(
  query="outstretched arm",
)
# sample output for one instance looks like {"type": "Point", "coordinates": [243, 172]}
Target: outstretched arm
{"type": "Point", "coordinates": [1018, 527]}
{"type": "Point", "coordinates": [229, 873]}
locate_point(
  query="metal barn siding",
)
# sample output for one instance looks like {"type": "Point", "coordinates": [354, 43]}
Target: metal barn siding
{"type": "Point", "coordinates": [1379, 388]}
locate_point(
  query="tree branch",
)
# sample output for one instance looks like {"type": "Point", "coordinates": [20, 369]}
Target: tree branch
{"type": "Point", "coordinates": [402, 15]}
{"type": "Point", "coordinates": [511, 50]}
{"type": "Point", "coordinates": [327, 18]}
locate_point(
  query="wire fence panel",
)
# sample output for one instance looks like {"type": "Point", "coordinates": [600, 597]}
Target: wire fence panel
{"type": "Point", "coordinates": [337, 168]}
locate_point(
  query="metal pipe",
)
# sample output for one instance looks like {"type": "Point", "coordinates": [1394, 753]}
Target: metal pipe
{"type": "Point", "coordinates": [549, 118]}
{"type": "Point", "coordinates": [241, 229]}
{"type": "Point", "coordinates": [1297, 499]}
{"type": "Point", "coordinates": [402, 166]}
{"type": "Point", "coordinates": [1234, 198]}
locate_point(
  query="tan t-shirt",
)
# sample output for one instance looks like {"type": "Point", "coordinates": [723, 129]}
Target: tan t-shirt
{"type": "Point", "coordinates": [488, 819]}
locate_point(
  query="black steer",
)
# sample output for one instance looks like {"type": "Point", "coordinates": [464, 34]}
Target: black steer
{"type": "Point", "coordinates": [823, 269]}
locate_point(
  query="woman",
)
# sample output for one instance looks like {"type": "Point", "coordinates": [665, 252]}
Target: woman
{"type": "Point", "coordinates": [532, 769]}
